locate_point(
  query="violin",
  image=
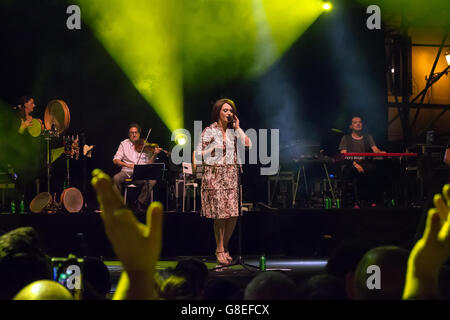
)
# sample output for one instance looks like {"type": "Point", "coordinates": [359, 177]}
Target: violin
{"type": "Point", "coordinates": [142, 145]}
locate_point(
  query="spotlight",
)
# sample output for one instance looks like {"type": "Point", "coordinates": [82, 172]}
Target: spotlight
{"type": "Point", "coordinates": [447, 57]}
{"type": "Point", "coordinates": [327, 6]}
{"type": "Point", "coordinates": [180, 139]}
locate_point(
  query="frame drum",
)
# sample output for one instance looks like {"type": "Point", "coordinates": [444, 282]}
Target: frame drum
{"type": "Point", "coordinates": [57, 116]}
{"type": "Point", "coordinates": [41, 202]}
{"type": "Point", "coordinates": [35, 127]}
{"type": "Point", "coordinates": [72, 200]}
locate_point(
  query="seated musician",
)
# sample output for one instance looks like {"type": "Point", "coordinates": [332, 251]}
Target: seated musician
{"type": "Point", "coordinates": [127, 156]}
{"type": "Point", "coordinates": [361, 172]}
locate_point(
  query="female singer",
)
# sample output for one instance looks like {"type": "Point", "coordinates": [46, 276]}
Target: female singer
{"type": "Point", "coordinates": [29, 154]}
{"type": "Point", "coordinates": [24, 109]}
{"type": "Point", "coordinates": [219, 190]}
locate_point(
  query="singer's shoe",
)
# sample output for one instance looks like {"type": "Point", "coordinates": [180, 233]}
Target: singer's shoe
{"type": "Point", "coordinates": [221, 258]}
{"type": "Point", "coordinates": [228, 257]}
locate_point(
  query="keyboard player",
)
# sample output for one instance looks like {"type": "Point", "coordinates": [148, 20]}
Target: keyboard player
{"type": "Point", "coordinates": [361, 172]}
{"type": "Point", "coordinates": [126, 157]}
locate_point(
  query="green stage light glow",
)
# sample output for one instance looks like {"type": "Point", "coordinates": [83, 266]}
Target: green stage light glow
{"type": "Point", "coordinates": [168, 46]}
{"type": "Point", "coordinates": [235, 39]}
{"type": "Point", "coordinates": [142, 38]}
{"type": "Point", "coordinates": [17, 149]}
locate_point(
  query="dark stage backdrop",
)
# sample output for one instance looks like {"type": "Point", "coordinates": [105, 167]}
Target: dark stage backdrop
{"type": "Point", "coordinates": [335, 69]}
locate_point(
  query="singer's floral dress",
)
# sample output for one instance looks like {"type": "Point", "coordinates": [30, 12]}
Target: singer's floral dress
{"type": "Point", "coordinates": [219, 189]}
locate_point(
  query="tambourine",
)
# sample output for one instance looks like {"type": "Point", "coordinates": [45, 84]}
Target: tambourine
{"type": "Point", "coordinates": [35, 127]}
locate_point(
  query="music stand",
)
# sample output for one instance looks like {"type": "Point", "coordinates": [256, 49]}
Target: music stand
{"type": "Point", "coordinates": [146, 172]}
{"type": "Point", "coordinates": [153, 171]}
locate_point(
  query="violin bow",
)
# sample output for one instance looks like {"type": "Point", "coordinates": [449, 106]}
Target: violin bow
{"type": "Point", "coordinates": [146, 139]}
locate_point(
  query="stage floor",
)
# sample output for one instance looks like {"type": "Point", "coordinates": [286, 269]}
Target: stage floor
{"type": "Point", "coordinates": [297, 269]}
{"type": "Point", "coordinates": [294, 233]}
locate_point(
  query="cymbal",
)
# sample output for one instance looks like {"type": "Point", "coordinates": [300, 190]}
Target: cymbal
{"type": "Point", "coordinates": [335, 130]}
{"type": "Point", "coordinates": [57, 116]}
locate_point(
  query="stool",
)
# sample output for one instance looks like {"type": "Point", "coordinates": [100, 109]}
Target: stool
{"type": "Point", "coordinates": [195, 186]}
{"type": "Point", "coordinates": [129, 184]}
{"type": "Point", "coordinates": [185, 186]}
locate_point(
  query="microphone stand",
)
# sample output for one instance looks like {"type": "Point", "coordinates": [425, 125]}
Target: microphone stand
{"type": "Point", "coordinates": [84, 169]}
{"type": "Point", "coordinates": [48, 135]}
{"type": "Point", "coordinates": [240, 259]}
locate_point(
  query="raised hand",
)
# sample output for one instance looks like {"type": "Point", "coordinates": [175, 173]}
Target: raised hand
{"type": "Point", "coordinates": [138, 246]}
{"type": "Point", "coordinates": [430, 252]}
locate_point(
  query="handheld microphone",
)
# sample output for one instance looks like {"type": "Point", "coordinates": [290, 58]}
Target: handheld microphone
{"type": "Point", "coordinates": [231, 121]}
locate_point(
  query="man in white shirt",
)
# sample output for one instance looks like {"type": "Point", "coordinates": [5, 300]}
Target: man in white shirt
{"type": "Point", "coordinates": [126, 157]}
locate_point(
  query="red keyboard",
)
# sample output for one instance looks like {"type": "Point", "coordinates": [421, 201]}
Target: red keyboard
{"type": "Point", "coordinates": [376, 156]}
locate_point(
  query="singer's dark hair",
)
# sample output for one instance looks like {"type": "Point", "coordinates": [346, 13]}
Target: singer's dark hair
{"type": "Point", "coordinates": [134, 125]}
{"type": "Point", "coordinates": [20, 107]}
{"type": "Point", "coordinates": [218, 106]}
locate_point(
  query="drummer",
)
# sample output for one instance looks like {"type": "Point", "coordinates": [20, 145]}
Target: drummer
{"type": "Point", "coordinates": [24, 109]}
{"type": "Point", "coordinates": [29, 159]}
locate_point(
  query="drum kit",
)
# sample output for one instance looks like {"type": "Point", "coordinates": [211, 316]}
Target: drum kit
{"type": "Point", "coordinates": [56, 123]}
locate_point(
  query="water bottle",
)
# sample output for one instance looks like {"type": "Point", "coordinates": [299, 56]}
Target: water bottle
{"type": "Point", "coordinates": [13, 207]}
{"type": "Point", "coordinates": [338, 203]}
{"type": "Point", "coordinates": [327, 203]}
{"type": "Point", "coordinates": [22, 206]}
{"type": "Point", "coordinates": [262, 263]}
